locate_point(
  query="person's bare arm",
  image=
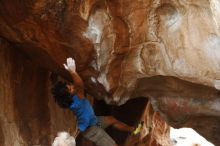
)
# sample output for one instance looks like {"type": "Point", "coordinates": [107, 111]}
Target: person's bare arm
{"type": "Point", "coordinates": [78, 83]}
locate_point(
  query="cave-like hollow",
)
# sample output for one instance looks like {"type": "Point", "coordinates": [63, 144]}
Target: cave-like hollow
{"type": "Point", "coordinates": [130, 113]}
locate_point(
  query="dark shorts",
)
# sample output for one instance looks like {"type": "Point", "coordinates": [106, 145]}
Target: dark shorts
{"type": "Point", "coordinates": [98, 135]}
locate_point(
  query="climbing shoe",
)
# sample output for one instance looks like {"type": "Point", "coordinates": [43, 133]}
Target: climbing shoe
{"type": "Point", "coordinates": [138, 128]}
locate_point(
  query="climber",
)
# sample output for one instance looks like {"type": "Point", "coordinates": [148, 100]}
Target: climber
{"type": "Point", "coordinates": [72, 96]}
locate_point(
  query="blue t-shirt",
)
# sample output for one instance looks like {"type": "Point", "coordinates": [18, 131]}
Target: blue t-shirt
{"type": "Point", "coordinates": [84, 113]}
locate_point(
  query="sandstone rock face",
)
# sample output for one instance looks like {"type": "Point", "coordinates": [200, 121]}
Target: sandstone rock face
{"type": "Point", "coordinates": [155, 131]}
{"type": "Point", "coordinates": [28, 114]}
{"type": "Point", "coordinates": [165, 50]}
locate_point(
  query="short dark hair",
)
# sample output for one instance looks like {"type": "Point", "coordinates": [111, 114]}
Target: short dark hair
{"type": "Point", "coordinates": [61, 95]}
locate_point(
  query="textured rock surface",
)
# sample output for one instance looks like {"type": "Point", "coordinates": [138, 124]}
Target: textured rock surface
{"type": "Point", "coordinates": [165, 50]}
{"type": "Point", "coordinates": [28, 115]}
{"type": "Point", "coordinates": [155, 131]}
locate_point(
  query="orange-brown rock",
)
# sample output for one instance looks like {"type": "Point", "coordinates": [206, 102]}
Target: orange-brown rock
{"type": "Point", "coordinates": [155, 131]}
{"type": "Point", "coordinates": [167, 51]}
{"type": "Point", "coordinates": [28, 114]}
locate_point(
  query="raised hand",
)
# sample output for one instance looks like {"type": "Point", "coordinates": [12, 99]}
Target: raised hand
{"type": "Point", "coordinates": [70, 65]}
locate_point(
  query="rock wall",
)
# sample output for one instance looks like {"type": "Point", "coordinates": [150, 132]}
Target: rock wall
{"type": "Point", "coordinates": [165, 50]}
{"type": "Point", "coordinates": [119, 42]}
{"type": "Point", "coordinates": [28, 114]}
{"type": "Point", "coordinates": [155, 131]}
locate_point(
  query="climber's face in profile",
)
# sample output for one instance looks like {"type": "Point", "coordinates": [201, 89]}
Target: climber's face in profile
{"type": "Point", "coordinates": [71, 88]}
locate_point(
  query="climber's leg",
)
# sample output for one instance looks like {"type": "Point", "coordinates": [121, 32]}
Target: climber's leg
{"type": "Point", "coordinates": [97, 135]}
